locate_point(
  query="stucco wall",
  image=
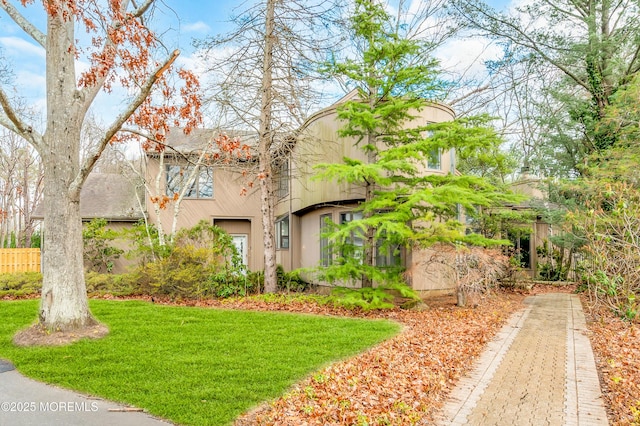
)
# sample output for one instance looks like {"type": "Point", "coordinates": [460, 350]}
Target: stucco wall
{"type": "Point", "coordinates": [227, 203]}
{"type": "Point", "coordinates": [318, 142]}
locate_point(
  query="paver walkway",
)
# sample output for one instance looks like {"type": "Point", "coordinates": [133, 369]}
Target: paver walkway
{"type": "Point", "coordinates": [539, 370]}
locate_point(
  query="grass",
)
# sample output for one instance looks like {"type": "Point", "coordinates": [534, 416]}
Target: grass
{"type": "Point", "coordinates": [189, 365]}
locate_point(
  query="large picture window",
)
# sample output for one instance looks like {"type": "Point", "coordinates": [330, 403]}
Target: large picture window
{"type": "Point", "coordinates": [387, 255]}
{"type": "Point", "coordinates": [201, 186]}
{"type": "Point", "coordinates": [355, 244]}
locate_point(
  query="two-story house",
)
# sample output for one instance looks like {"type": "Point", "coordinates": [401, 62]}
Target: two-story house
{"type": "Point", "coordinates": [305, 204]}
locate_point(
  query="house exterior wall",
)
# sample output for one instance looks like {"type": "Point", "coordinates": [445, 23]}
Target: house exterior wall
{"type": "Point", "coordinates": [318, 142]}
{"type": "Point", "coordinates": [309, 199]}
{"type": "Point", "coordinates": [233, 212]}
{"type": "Point", "coordinates": [428, 275]}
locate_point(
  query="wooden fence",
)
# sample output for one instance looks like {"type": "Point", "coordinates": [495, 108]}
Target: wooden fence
{"type": "Point", "coordinates": [19, 260]}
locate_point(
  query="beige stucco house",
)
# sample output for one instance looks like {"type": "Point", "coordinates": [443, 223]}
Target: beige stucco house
{"type": "Point", "coordinates": [303, 203]}
{"type": "Point", "coordinates": [216, 194]}
{"type": "Point", "coordinates": [306, 203]}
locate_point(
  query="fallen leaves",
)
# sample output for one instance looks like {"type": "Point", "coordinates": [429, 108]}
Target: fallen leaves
{"type": "Point", "coordinates": [615, 343]}
{"type": "Point", "coordinates": [402, 381]}
{"type": "Point", "coordinates": [405, 380]}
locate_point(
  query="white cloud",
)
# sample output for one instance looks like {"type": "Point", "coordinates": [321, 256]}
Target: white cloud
{"type": "Point", "coordinates": [467, 56]}
{"type": "Point", "coordinates": [31, 79]}
{"type": "Point", "coordinates": [21, 47]}
{"type": "Point", "coordinates": [196, 27]}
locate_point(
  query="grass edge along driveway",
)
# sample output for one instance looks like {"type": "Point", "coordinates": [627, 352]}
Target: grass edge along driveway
{"type": "Point", "coordinates": [191, 366]}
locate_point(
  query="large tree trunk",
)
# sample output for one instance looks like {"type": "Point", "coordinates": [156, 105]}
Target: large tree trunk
{"type": "Point", "coordinates": [265, 156]}
{"type": "Point", "coordinates": [369, 255]}
{"type": "Point", "coordinates": [64, 304]}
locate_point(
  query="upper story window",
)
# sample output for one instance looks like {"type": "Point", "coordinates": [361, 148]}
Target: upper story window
{"type": "Point", "coordinates": [281, 182]}
{"type": "Point", "coordinates": [199, 186]}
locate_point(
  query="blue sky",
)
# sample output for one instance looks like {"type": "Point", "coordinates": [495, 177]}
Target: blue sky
{"type": "Point", "coordinates": [183, 20]}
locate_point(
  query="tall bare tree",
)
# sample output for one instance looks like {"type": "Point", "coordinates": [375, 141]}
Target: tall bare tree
{"type": "Point", "coordinates": [120, 49]}
{"type": "Point", "coordinates": [589, 48]}
{"type": "Point", "coordinates": [20, 189]}
{"type": "Point", "coordinates": [263, 80]}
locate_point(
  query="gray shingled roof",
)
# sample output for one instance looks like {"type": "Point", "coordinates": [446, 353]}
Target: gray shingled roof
{"type": "Point", "coordinates": [192, 143]}
{"type": "Point", "coordinates": [106, 195]}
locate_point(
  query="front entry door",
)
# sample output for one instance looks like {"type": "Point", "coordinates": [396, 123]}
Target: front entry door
{"type": "Point", "coordinates": [241, 241]}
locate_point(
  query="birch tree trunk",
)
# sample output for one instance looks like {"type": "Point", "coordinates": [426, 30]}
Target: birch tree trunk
{"type": "Point", "coordinates": [265, 155]}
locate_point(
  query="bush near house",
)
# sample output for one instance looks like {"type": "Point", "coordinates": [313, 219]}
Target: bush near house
{"type": "Point", "coordinates": [99, 253]}
{"type": "Point", "coordinates": [20, 284]}
{"type": "Point", "coordinates": [201, 262]}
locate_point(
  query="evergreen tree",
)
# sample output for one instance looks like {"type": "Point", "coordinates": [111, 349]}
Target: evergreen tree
{"type": "Point", "coordinates": [403, 206]}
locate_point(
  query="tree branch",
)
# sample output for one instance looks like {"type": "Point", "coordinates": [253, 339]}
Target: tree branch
{"type": "Point", "coordinates": [89, 93]}
{"type": "Point", "coordinates": [142, 8]}
{"type": "Point", "coordinates": [24, 23]}
{"type": "Point", "coordinates": [12, 121]}
{"type": "Point", "coordinates": [115, 127]}
{"type": "Point", "coordinates": [496, 23]}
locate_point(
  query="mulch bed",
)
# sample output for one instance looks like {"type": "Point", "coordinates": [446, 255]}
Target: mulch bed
{"type": "Point", "coordinates": [37, 335]}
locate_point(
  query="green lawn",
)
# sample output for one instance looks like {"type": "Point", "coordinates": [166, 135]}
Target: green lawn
{"type": "Point", "coordinates": [189, 365]}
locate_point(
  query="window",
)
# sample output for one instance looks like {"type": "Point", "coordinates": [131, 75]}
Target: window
{"type": "Point", "coordinates": [325, 250]}
{"type": "Point", "coordinates": [434, 159]}
{"type": "Point", "coordinates": [387, 255]}
{"type": "Point", "coordinates": [282, 180]}
{"type": "Point", "coordinates": [201, 185]}
{"type": "Point", "coordinates": [282, 233]}
{"type": "Point", "coordinates": [354, 245]}
{"type": "Point", "coordinates": [521, 249]}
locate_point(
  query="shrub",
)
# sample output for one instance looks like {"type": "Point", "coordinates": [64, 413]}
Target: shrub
{"type": "Point", "coordinates": [184, 272]}
{"type": "Point", "coordinates": [474, 269]}
{"type": "Point", "coordinates": [20, 284]}
{"type": "Point", "coordinates": [553, 261]}
{"type": "Point", "coordinates": [98, 252]}
{"type": "Point", "coordinates": [202, 262]}
{"type": "Point", "coordinates": [116, 284]}
{"type": "Point", "coordinates": [372, 298]}
{"type": "Point", "coordinates": [290, 281]}
{"type": "Point", "coordinates": [224, 284]}
{"type": "Point", "coordinates": [144, 242]}
{"type": "Point", "coordinates": [610, 227]}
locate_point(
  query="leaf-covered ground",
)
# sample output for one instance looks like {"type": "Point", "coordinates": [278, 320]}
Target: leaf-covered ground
{"type": "Point", "coordinates": [616, 344]}
{"type": "Point", "coordinates": [404, 380]}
